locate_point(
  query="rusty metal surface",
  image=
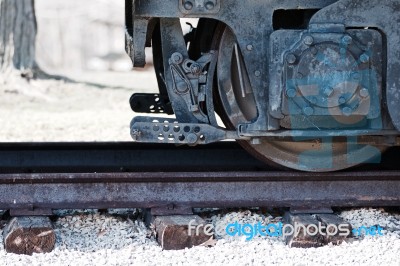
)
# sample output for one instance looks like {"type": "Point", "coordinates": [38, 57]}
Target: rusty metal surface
{"type": "Point", "coordinates": [202, 189]}
{"type": "Point", "coordinates": [220, 175]}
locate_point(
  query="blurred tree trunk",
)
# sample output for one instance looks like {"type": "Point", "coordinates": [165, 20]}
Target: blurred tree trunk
{"type": "Point", "coordinates": [17, 37]}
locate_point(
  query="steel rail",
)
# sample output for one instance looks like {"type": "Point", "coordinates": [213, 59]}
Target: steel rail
{"type": "Point", "coordinates": [153, 176]}
{"type": "Point", "coordinates": [201, 189]}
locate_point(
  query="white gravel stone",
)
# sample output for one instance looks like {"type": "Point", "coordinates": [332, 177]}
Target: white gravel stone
{"type": "Point", "coordinates": [86, 237]}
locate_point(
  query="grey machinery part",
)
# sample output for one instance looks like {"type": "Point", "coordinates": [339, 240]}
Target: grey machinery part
{"type": "Point", "coordinates": [299, 96]}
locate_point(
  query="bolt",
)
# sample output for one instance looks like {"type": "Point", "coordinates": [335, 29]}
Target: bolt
{"type": "Point", "coordinates": [291, 58]}
{"type": "Point", "coordinates": [328, 91]}
{"type": "Point", "coordinates": [191, 138]}
{"type": "Point", "coordinates": [210, 5]}
{"type": "Point", "coordinates": [188, 5]}
{"type": "Point", "coordinates": [364, 58]}
{"type": "Point", "coordinates": [308, 40]}
{"type": "Point", "coordinates": [291, 93]}
{"type": "Point", "coordinates": [308, 110]}
{"type": "Point", "coordinates": [364, 93]}
{"type": "Point", "coordinates": [195, 68]}
{"type": "Point", "coordinates": [250, 47]}
{"type": "Point", "coordinates": [347, 111]}
{"type": "Point", "coordinates": [177, 58]}
{"type": "Point", "coordinates": [181, 87]}
{"type": "Point", "coordinates": [257, 73]}
{"type": "Point", "coordinates": [347, 40]}
{"type": "Point", "coordinates": [342, 100]}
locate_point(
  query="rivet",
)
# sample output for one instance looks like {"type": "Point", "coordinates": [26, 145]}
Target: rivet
{"type": "Point", "coordinates": [364, 92]}
{"type": "Point", "coordinates": [177, 58]}
{"type": "Point", "coordinates": [347, 111]}
{"type": "Point", "coordinates": [328, 91]}
{"type": "Point", "coordinates": [257, 73]}
{"type": "Point", "coordinates": [364, 58]}
{"type": "Point", "coordinates": [308, 110]}
{"type": "Point", "coordinates": [291, 58]}
{"type": "Point", "coordinates": [249, 47]}
{"type": "Point", "coordinates": [188, 5]}
{"type": "Point", "coordinates": [347, 39]}
{"type": "Point", "coordinates": [313, 100]}
{"type": "Point", "coordinates": [209, 5]}
{"type": "Point", "coordinates": [291, 93]}
{"type": "Point", "coordinates": [191, 138]}
{"type": "Point", "coordinates": [308, 40]}
{"type": "Point", "coordinates": [342, 100]}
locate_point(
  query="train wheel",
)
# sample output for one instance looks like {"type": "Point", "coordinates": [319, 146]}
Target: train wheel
{"type": "Point", "coordinates": [316, 155]}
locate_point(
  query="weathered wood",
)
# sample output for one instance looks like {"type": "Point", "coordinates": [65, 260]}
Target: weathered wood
{"type": "Point", "coordinates": [173, 231]}
{"type": "Point", "coordinates": [26, 235]}
{"type": "Point", "coordinates": [330, 229]}
{"type": "Point", "coordinates": [17, 36]}
{"type": "Point", "coordinates": [331, 219]}
{"type": "Point", "coordinates": [302, 239]}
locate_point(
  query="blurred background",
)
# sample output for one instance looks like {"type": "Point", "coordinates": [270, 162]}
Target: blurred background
{"type": "Point", "coordinates": [77, 38]}
{"type": "Point", "coordinates": [81, 35]}
{"type": "Point", "coordinates": [83, 41]}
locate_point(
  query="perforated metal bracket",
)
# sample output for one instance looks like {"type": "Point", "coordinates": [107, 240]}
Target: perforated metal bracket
{"type": "Point", "coordinates": [150, 103]}
{"type": "Point", "coordinates": [166, 130]}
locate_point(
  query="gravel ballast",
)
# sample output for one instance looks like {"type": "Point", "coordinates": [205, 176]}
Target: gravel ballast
{"type": "Point", "coordinates": [91, 238]}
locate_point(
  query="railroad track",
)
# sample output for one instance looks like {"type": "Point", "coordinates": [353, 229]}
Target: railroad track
{"type": "Point", "coordinates": [56, 175]}
{"type": "Point", "coordinates": [36, 178]}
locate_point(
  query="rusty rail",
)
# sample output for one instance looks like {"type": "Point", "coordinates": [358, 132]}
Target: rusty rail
{"type": "Point", "coordinates": [133, 176]}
